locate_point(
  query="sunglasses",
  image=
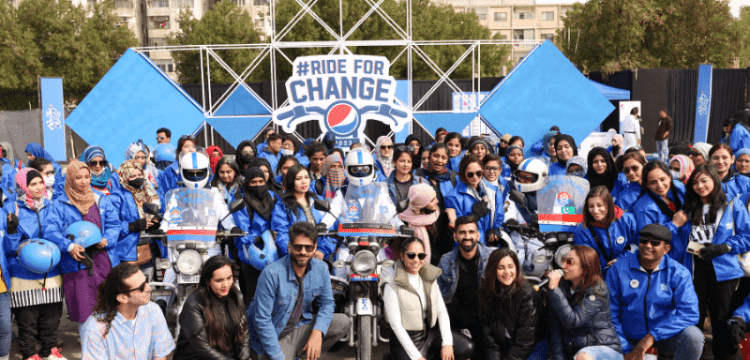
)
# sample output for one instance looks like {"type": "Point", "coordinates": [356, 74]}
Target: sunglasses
{"type": "Point", "coordinates": [471, 175]}
{"type": "Point", "coordinates": [158, 138]}
{"type": "Point", "coordinates": [299, 247]}
{"type": "Point", "coordinates": [633, 168]}
{"type": "Point", "coordinates": [412, 255]}
{"type": "Point", "coordinates": [404, 148]}
{"type": "Point", "coordinates": [654, 243]}
{"type": "Point", "coordinates": [492, 168]}
{"type": "Point", "coordinates": [386, 147]}
{"type": "Point", "coordinates": [140, 288]}
{"type": "Point", "coordinates": [100, 163]}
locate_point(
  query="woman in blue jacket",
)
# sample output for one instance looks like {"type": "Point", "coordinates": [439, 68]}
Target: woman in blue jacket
{"type": "Point", "coordinates": [297, 205]}
{"type": "Point", "coordinates": [732, 182]}
{"type": "Point", "coordinates": [513, 157]}
{"type": "Point", "coordinates": [662, 198]}
{"type": "Point", "coordinates": [255, 219]}
{"type": "Point", "coordinates": [227, 179]}
{"type": "Point", "coordinates": [402, 177]}
{"type": "Point", "coordinates": [626, 193]}
{"type": "Point", "coordinates": [36, 299]}
{"type": "Point", "coordinates": [737, 137]}
{"type": "Point", "coordinates": [33, 151]}
{"type": "Point", "coordinates": [565, 148]}
{"type": "Point", "coordinates": [136, 191]}
{"type": "Point", "coordinates": [605, 227]}
{"type": "Point", "coordinates": [471, 192]}
{"type": "Point", "coordinates": [456, 150]}
{"type": "Point", "coordinates": [443, 180]}
{"type": "Point", "coordinates": [721, 229]}
{"type": "Point", "coordinates": [81, 202]}
{"type": "Point", "coordinates": [286, 162]}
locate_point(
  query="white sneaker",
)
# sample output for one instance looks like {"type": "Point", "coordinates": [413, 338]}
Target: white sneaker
{"type": "Point", "coordinates": [55, 355]}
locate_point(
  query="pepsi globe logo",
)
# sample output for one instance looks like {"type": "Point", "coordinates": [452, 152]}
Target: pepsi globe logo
{"type": "Point", "coordinates": [342, 118]}
{"type": "Point", "coordinates": [563, 198]}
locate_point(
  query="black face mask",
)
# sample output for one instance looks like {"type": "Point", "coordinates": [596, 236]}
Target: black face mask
{"type": "Point", "coordinates": [136, 183]}
{"type": "Point", "coordinates": [247, 158]}
{"type": "Point", "coordinates": [616, 149]}
{"type": "Point", "coordinates": [258, 190]}
{"type": "Point", "coordinates": [427, 211]}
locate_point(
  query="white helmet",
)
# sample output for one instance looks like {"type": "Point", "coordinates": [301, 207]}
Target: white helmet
{"type": "Point", "coordinates": [195, 170]}
{"type": "Point", "coordinates": [359, 167]}
{"type": "Point", "coordinates": [532, 166]}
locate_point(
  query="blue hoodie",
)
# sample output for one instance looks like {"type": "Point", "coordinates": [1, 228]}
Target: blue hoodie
{"type": "Point", "coordinates": [30, 226]}
{"type": "Point", "coordinates": [38, 151]}
{"type": "Point", "coordinates": [282, 218]}
{"type": "Point", "coordinates": [615, 240]}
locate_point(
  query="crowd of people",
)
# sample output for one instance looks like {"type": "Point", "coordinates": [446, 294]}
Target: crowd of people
{"type": "Point", "coordinates": [663, 245]}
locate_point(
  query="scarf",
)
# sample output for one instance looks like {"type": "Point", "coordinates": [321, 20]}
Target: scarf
{"type": "Point", "coordinates": [263, 205]}
{"type": "Point", "coordinates": [385, 162]}
{"type": "Point", "coordinates": [508, 150]}
{"type": "Point", "coordinates": [81, 199]}
{"type": "Point", "coordinates": [22, 186]}
{"type": "Point", "coordinates": [608, 178]}
{"type": "Point", "coordinates": [663, 205]}
{"type": "Point", "coordinates": [146, 194]}
{"type": "Point", "coordinates": [569, 139]}
{"type": "Point", "coordinates": [686, 166]}
{"type": "Point", "coordinates": [419, 196]}
{"type": "Point", "coordinates": [214, 160]}
{"type": "Point", "coordinates": [38, 152]}
{"type": "Point", "coordinates": [334, 177]}
{"type": "Point", "coordinates": [99, 181]}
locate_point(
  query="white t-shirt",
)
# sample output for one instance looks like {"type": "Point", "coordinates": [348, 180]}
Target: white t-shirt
{"type": "Point", "coordinates": [704, 234]}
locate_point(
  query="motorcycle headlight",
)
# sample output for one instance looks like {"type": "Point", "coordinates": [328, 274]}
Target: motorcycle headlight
{"type": "Point", "coordinates": [561, 253]}
{"type": "Point", "coordinates": [364, 263]}
{"type": "Point", "coordinates": [189, 262]}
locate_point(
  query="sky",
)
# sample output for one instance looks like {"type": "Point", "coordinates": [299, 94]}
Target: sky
{"type": "Point", "coordinates": [734, 5]}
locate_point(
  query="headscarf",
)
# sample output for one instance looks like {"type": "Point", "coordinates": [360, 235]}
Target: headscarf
{"type": "Point", "coordinates": [146, 194]}
{"type": "Point", "coordinates": [386, 162]}
{"type": "Point", "coordinates": [10, 156]}
{"type": "Point", "coordinates": [329, 140]}
{"type": "Point", "coordinates": [262, 205]}
{"type": "Point", "coordinates": [577, 160]}
{"type": "Point", "coordinates": [334, 177]}
{"type": "Point", "coordinates": [149, 170]}
{"type": "Point", "coordinates": [81, 199]}
{"type": "Point", "coordinates": [686, 165]}
{"type": "Point", "coordinates": [101, 180]}
{"type": "Point", "coordinates": [508, 150]}
{"type": "Point", "coordinates": [620, 141]}
{"type": "Point", "coordinates": [610, 175]}
{"type": "Point", "coordinates": [476, 142]}
{"type": "Point", "coordinates": [703, 149]}
{"type": "Point", "coordinates": [212, 160]}
{"type": "Point", "coordinates": [23, 178]}
{"type": "Point", "coordinates": [569, 139]}
{"type": "Point", "coordinates": [241, 163]}
{"type": "Point", "coordinates": [419, 196]}
{"type": "Point", "coordinates": [546, 139]}
{"type": "Point", "coordinates": [743, 151]}
{"type": "Point", "coordinates": [272, 184]}
{"type": "Point", "coordinates": [38, 152]}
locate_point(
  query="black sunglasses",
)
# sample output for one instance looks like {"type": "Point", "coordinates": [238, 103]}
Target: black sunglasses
{"type": "Point", "coordinates": [100, 163]}
{"type": "Point", "coordinates": [386, 146]}
{"type": "Point", "coordinates": [470, 175]}
{"type": "Point", "coordinates": [405, 148]}
{"type": "Point", "coordinates": [627, 170]}
{"type": "Point", "coordinates": [412, 255]}
{"type": "Point", "coordinates": [645, 241]}
{"type": "Point", "coordinates": [140, 288]}
{"type": "Point", "coordinates": [299, 247]}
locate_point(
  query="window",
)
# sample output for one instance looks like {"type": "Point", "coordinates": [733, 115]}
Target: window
{"type": "Point", "coordinates": [159, 3]}
{"type": "Point", "coordinates": [548, 16]}
{"type": "Point", "coordinates": [238, 2]}
{"type": "Point", "coordinates": [503, 37]}
{"type": "Point", "coordinates": [158, 22]}
{"type": "Point", "coordinates": [501, 16]}
{"type": "Point", "coordinates": [550, 37]}
{"type": "Point", "coordinates": [157, 42]}
{"type": "Point", "coordinates": [121, 21]}
{"type": "Point", "coordinates": [523, 14]}
{"type": "Point", "coordinates": [481, 13]}
{"type": "Point", "coordinates": [260, 2]}
{"type": "Point", "coordinates": [179, 4]}
{"type": "Point", "coordinates": [123, 4]}
{"type": "Point", "coordinates": [524, 35]}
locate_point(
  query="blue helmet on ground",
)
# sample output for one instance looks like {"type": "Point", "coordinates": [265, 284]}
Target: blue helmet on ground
{"type": "Point", "coordinates": [84, 233]}
{"type": "Point", "coordinates": [38, 255]}
{"type": "Point", "coordinates": [165, 152]}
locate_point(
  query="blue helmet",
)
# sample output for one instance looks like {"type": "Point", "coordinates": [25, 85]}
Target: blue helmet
{"type": "Point", "coordinates": [38, 255]}
{"type": "Point", "coordinates": [260, 258]}
{"type": "Point", "coordinates": [165, 152]}
{"type": "Point", "coordinates": [84, 233]}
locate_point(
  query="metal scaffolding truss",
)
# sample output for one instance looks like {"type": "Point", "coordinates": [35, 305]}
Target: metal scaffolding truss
{"type": "Point", "coordinates": [410, 48]}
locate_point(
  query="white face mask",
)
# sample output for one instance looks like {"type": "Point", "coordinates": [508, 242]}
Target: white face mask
{"type": "Point", "coordinates": [49, 180]}
{"type": "Point", "coordinates": [287, 152]}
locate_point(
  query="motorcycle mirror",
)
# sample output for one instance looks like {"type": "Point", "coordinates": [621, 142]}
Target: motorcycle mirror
{"type": "Point", "coordinates": [388, 263]}
{"type": "Point", "coordinates": [236, 205]}
{"type": "Point", "coordinates": [517, 196]}
{"type": "Point", "coordinates": [151, 209]}
{"type": "Point", "coordinates": [402, 205]}
{"type": "Point", "coordinates": [322, 205]}
{"type": "Point", "coordinates": [339, 264]}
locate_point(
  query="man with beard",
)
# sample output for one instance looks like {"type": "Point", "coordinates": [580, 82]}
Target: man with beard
{"type": "Point", "coordinates": [282, 322]}
{"type": "Point", "coordinates": [463, 269]}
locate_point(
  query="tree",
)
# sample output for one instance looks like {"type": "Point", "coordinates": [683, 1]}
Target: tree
{"type": "Point", "coordinates": [612, 35]}
{"type": "Point", "coordinates": [55, 38]}
{"type": "Point", "coordinates": [740, 47]}
{"type": "Point", "coordinates": [226, 23]}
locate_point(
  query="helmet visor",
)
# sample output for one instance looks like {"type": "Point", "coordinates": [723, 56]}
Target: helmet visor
{"type": "Point", "coordinates": [360, 170]}
{"type": "Point", "coordinates": [523, 177]}
{"type": "Point", "coordinates": [194, 175]}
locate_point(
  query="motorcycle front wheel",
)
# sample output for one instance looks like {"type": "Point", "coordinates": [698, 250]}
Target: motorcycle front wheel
{"type": "Point", "coordinates": [364, 351]}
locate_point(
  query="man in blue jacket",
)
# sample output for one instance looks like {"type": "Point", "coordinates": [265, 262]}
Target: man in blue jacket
{"type": "Point", "coordinates": [272, 151]}
{"type": "Point", "coordinates": [653, 300]}
{"type": "Point", "coordinates": [282, 323]}
{"type": "Point", "coordinates": [463, 270]}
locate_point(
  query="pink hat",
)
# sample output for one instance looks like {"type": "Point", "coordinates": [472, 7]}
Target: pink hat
{"type": "Point", "coordinates": [419, 196]}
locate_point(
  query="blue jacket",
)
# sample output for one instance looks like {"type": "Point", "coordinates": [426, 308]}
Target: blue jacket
{"type": "Point", "coordinates": [128, 212]}
{"type": "Point", "coordinates": [448, 280]}
{"type": "Point", "coordinates": [627, 196]}
{"type": "Point", "coordinates": [379, 170]}
{"type": "Point", "coordinates": [556, 169]}
{"type": "Point", "coordinates": [744, 310]}
{"type": "Point", "coordinates": [169, 178]}
{"type": "Point", "coordinates": [740, 138]}
{"type": "Point", "coordinates": [733, 229]}
{"type": "Point", "coordinates": [454, 162]}
{"type": "Point", "coordinates": [302, 158]}
{"type": "Point", "coordinates": [30, 226]}
{"type": "Point", "coordinates": [3, 261]}
{"type": "Point", "coordinates": [262, 146]}
{"type": "Point", "coordinates": [272, 159]}
{"type": "Point", "coordinates": [8, 178]}
{"type": "Point", "coordinates": [506, 172]}
{"type": "Point", "coordinates": [646, 211]}
{"type": "Point", "coordinates": [460, 200]}
{"type": "Point", "coordinates": [274, 301]}
{"type": "Point", "coordinates": [615, 240]}
{"type": "Point", "coordinates": [620, 183]}
{"type": "Point", "coordinates": [445, 187]}
{"type": "Point", "coordinates": [662, 303]}
{"type": "Point", "coordinates": [282, 218]}
{"type": "Point", "coordinates": [392, 185]}
{"type": "Point", "coordinates": [735, 184]}
{"type": "Point", "coordinates": [64, 213]}
{"type": "Point", "coordinates": [254, 228]}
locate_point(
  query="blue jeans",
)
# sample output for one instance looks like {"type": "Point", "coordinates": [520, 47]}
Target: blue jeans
{"type": "Point", "coordinates": [662, 150]}
{"type": "Point", "coordinates": [687, 345]}
{"type": "Point", "coordinates": [601, 353]}
{"type": "Point", "coordinates": [5, 324]}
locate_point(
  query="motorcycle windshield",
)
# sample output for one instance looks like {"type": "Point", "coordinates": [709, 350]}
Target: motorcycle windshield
{"type": "Point", "coordinates": [560, 203]}
{"type": "Point", "coordinates": [368, 204]}
{"type": "Point", "coordinates": [191, 214]}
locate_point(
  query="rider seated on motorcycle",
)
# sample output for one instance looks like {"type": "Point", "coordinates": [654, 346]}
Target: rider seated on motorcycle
{"type": "Point", "coordinates": [528, 178]}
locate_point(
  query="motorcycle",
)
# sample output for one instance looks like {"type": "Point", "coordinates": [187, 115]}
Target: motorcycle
{"type": "Point", "coordinates": [364, 230]}
{"type": "Point", "coordinates": [191, 236]}
{"type": "Point", "coordinates": [559, 211]}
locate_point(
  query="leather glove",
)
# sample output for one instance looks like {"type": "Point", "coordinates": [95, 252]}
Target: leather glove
{"type": "Point", "coordinates": [480, 209]}
{"type": "Point", "coordinates": [236, 230]}
{"type": "Point", "coordinates": [737, 331]}
{"type": "Point", "coordinates": [138, 225]}
{"type": "Point", "coordinates": [711, 251]}
{"type": "Point", "coordinates": [13, 224]}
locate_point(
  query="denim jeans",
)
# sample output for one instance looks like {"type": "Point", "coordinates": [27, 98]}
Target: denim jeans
{"type": "Point", "coordinates": [5, 324]}
{"type": "Point", "coordinates": [687, 345]}
{"type": "Point", "coordinates": [601, 353]}
{"type": "Point", "coordinates": [662, 150]}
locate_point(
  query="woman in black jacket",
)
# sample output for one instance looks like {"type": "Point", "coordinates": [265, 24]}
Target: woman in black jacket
{"type": "Point", "coordinates": [213, 321]}
{"type": "Point", "coordinates": [581, 319]}
{"type": "Point", "coordinates": [509, 309]}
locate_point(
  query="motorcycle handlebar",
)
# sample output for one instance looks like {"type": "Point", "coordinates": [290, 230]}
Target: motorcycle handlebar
{"type": "Point", "coordinates": [219, 235]}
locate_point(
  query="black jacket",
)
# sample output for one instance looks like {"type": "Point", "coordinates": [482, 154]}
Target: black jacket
{"type": "Point", "coordinates": [192, 343]}
{"type": "Point", "coordinates": [587, 323]}
{"type": "Point", "coordinates": [524, 330]}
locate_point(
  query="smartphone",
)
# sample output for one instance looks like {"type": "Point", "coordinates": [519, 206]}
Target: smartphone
{"type": "Point", "coordinates": [693, 247]}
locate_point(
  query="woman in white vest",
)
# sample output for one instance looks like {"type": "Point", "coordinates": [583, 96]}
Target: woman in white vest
{"type": "Point", "coordinates": [420, 331]}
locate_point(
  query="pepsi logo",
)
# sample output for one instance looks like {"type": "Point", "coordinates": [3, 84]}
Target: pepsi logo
{"type": "Point", "coordinates": [342, 118]}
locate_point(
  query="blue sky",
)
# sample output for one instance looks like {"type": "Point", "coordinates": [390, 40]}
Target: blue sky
{"type": "Point", "coordinates": [734, 5]}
